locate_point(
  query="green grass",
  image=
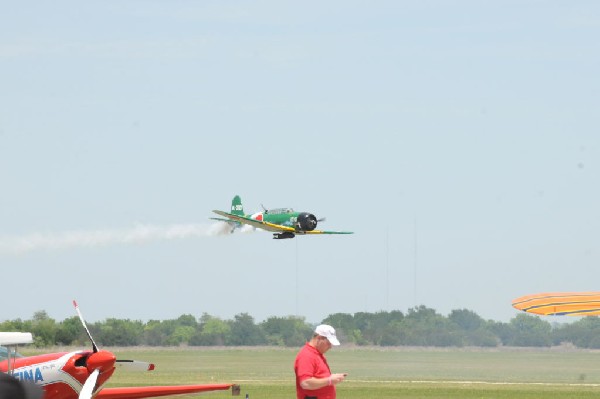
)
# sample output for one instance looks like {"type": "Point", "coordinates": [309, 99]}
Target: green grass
{"type": "Point", "coordinates": [379, 373]}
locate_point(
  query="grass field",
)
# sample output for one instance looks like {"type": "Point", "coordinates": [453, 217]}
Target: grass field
{"type": "Point", "coordinates": [378, 373]}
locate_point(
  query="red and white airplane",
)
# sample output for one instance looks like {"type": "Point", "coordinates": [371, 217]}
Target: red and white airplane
{"type": "Point", "coordinates": [83, 374]}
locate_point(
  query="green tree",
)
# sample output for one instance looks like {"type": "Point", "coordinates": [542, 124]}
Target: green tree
{"type": "Point", "coordinates": [392, 334]}
{"type": "Point", "coordinates": [286, 331]}
{"type": "Point", "coordinates": [472, 329]}
{"type": "Point", "coordinates": [212, 331]}
{"type": "Point", "coordinates": [466, 320]}
{"type": "Point", "coordinates": [530, 330]}
{"type": "Point", "coordinates": [43, 329]}
{"type": "Point", "coordinates": [118, 332]}
{"type": "Point", "coordinates": [187, 320]}
{"type": "Point", "coordinates": [584, 333]}
{"type": "Point", "coordinates": [181, 335]}
{"type": "Point", "coordinates": [502, 331]}
{"type": "Point", "coordinates": [245, 332]}
{"type": "Point", "coordinates": [17, 325]}
{"type": "Point", "coordinates": [70, 332]}
{"type": "Point", "coordinates": [423, 326]}
{"type": "Point", "coordinates": [379, 328]}
{"type": "Point", "coordinates": [154, 334]}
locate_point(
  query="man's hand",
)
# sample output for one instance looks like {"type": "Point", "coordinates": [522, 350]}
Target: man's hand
{"type": "Point", "coordinates": [337, 378]}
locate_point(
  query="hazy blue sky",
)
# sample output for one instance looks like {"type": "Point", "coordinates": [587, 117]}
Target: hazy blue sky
{"type": "Point", "coordinates": [460, 140]}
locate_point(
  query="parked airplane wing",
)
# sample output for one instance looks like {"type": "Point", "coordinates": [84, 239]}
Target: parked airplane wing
{"type": "Point", "coordinates": [150, 392]}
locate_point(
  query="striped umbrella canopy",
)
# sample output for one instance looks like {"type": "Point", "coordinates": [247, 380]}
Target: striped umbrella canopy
{"type": "Point", "coordinates": [560, 303]}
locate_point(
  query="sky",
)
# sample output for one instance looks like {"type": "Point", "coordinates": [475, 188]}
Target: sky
{"type": "Point", "coordinates": [458, 140]}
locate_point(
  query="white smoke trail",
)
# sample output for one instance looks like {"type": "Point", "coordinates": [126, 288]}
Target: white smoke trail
{"type": "Point", "coordinates": [95, 238]}
{"type": "Point", "coordinates": [247, 229]}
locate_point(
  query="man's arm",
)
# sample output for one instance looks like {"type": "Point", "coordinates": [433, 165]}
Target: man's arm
{"type": "Point", "coordinates": [316, 383]}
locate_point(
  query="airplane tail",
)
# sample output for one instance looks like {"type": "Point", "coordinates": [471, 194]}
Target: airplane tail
{"type": "Point", "coordinates": [236, 206]}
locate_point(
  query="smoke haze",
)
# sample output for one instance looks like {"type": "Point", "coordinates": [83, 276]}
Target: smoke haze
{"type": "Point", "coordinates": [139, 234]}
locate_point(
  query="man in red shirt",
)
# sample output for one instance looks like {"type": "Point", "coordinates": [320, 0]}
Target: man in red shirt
{"type": "Point", "coordinates": [313, 376]}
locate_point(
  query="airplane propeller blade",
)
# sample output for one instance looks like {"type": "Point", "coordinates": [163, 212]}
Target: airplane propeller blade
{"type": "Point", "coordinates": [134, 365]}
{"type": "Point", "coordinates": [103, 362]}
{"type": "Point", "coordinates": [90, 384]}
{"type": "Point", "coordinates": [94, 346]}
{"type": "Point", "coordinates": [321, 220]}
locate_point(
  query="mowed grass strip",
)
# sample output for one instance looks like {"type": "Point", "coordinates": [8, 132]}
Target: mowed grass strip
{"type": "Point", "coordinates": [377, 372]}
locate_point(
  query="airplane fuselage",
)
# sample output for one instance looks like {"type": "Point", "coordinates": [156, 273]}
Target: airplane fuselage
{"type": "Point", "coordinates": [61, 375]}
{"type": "Point", "coordinates": [83, 374]}
{"type": "Point", "coordinates": [300, 221]}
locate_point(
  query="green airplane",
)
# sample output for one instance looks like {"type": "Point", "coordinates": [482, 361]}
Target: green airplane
{"type": "Point", "coordinates": [283, 222]}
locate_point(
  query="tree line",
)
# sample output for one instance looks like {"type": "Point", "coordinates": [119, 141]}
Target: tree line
{"type": "Point", "coordinates": [419, 326]}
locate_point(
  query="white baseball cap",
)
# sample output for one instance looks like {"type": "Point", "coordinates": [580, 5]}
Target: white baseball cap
{"type": "Point", "coordinates": [328, 332]}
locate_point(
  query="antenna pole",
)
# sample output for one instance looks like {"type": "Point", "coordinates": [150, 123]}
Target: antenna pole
{"type": "Point", "coordinates": [387, 268]}
{"type": "Point", "coordinates": [415, 265]}
{"type": "Point", "coordinates": [297, 314]}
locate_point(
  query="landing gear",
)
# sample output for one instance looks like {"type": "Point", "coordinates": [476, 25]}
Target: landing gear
{"type": "Point", "coordinates": [285, 234]}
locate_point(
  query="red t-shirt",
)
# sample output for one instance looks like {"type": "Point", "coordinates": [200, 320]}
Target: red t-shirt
{"type": "Point", "coordinates": [311, 363]}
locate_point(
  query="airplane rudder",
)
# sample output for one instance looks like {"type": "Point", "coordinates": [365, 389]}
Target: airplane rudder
{"type": "Point", "coordinates": [236, 206]}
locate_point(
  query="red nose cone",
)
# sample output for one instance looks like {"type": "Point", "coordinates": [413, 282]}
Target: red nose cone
{"type": "Point", "coordinates": [102, 360]}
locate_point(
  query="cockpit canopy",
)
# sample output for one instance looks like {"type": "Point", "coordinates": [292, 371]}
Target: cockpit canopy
{"type": "Point", "coordinates": [4, 353]}
{"type": "Point", "coordinates": [279, 211]}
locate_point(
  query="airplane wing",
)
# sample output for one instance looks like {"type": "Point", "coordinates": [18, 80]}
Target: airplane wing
{"type": "Point", "coordinates": [151, 392]}
{"type": "Point", "coordinates": [15, 338]}
{"type": "Point", "coordinates": [327, 232]}
{"type": "Point", "coordinates": [255, 223]}
{"type": "Point", "coordinates": [274, 227]}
